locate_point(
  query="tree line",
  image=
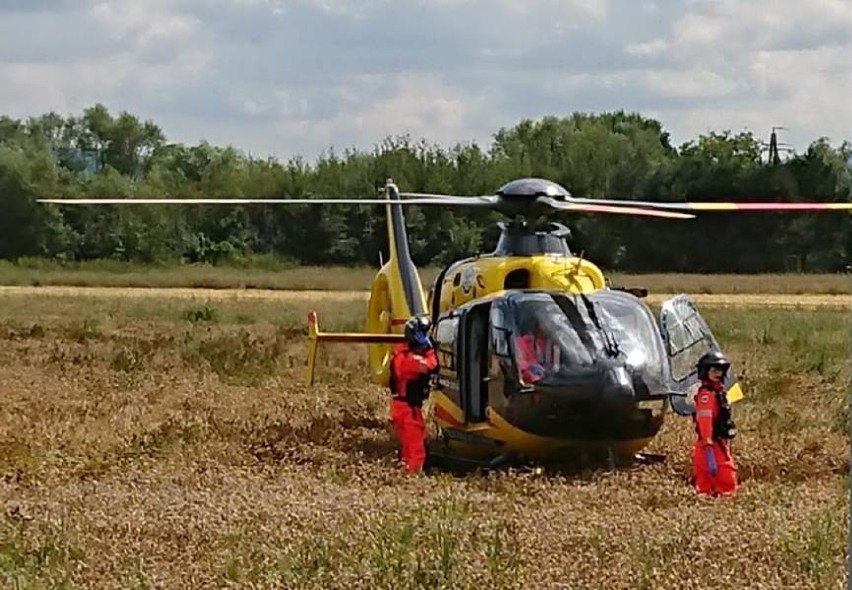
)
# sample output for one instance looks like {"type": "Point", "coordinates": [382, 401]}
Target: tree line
{"type": "Point", "coordinates": [615, 154]}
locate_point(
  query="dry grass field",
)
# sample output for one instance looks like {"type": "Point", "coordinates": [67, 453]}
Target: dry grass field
{"type": "Point", "coordinates": [105, 273]}
{"type": "Point", "coordinates": [168, 442]}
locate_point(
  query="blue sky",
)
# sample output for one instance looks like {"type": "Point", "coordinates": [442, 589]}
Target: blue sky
{"type": "Point", "coordinates": [288, 77]}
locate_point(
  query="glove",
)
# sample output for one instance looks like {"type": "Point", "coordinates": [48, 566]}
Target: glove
{"type": "Point", "coordinates": [537, 371]}
{"type": "Point", "coordinates": [532, 374]}
{"type": "Point", "coordinates": [711, 461]}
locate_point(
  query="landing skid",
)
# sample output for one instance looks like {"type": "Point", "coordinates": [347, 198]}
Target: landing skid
{"type": "Point", "coordinates": [441, 461]}
{"type": "Point", "coordinates": [649, 458]}
{"type": "Point", "coordinates": [453, 463]}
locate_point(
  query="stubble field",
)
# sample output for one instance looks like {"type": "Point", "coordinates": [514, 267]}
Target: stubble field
{"type": "Point", "coordinates": [166, 440]}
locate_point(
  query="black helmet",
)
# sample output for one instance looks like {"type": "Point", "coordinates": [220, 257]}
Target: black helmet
{"type": "Point", "coordinates": [417, 331]}
{"type": "Point", "coordinates": [712, 359]}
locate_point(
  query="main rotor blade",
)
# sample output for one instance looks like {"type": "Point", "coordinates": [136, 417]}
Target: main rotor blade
{"type": "Point", "coordinates": [768, 206]}
{"type": "Point", "coordinates": [594, 208]}
{"type": "Point", "coordinates": [485, 198]}
{"type": "Point", "coordinates": [464, 201]}
{"type": "Point", "coordinates": [590, 208]}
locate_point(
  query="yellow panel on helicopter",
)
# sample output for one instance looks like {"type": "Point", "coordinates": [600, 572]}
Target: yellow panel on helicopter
{"type": "Point", "coordinates": [487, 274]}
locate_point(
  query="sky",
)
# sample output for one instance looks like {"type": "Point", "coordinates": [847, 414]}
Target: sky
{"type": "Point", "coordinates": [289, 78]}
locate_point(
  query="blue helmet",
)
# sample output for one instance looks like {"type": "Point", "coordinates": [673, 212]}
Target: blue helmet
{"type": "Point", "coordinates": [417, 332]}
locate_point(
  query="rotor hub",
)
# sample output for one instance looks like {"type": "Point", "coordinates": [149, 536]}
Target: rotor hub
{"type": "Point", "coordinates": [531, 188]}
{"type": "Point", "coordinates": [520, 238]}
{"type": "Point", "coordinates": [528, 196]}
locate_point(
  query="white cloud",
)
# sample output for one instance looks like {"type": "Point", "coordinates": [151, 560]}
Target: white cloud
{"type": "Point", "coordinates": [139, 53]}
{"type": "Point", "coordinates": [38, 87]}
{"type": "Point", "coordinates": [695, 83]}
{"type": "Point", "coordinates": [814, 85]}
{"type": "Point", "coordinates": [655, 47]}
{"type": "Point", "coordinates": [153, 20]}
{"type": "Point", "coordinates": [728, 27]}
{"type": "Point", "coordinates": [592, 8]}
{"type": "Point", "coordinates": [297, 76]}
{"type": "Point", "coordinates": [421, 106]}
{"type": "Point", "coordinates": [773, 63]}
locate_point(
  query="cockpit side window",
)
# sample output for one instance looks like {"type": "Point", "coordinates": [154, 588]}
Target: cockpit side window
{"type": "Point", "coordinates": [445, 340]}
{"type": "Point", "coordinates": [544, 340]}
{"type": "Point", "coordinates": [546, 324]}
{"type": "Point", "coordinates": [634, 330]}
{"type": "Point", "coordinates": [499, 330]}
{"type": "Point", "coordinates": [563, 334]}
{"type": "Point", "coordinates": [501, 334]}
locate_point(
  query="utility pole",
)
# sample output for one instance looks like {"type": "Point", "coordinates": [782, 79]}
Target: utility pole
{"type": "Point", "coordinates": [774, 149]}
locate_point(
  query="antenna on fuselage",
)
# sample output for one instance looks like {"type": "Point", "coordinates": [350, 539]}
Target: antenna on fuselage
{"type": "Point", "coordinates": [580, 259]}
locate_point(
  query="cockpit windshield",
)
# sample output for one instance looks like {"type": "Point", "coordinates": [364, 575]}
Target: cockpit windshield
{"type": "Point", "coordinates": [567, 333]}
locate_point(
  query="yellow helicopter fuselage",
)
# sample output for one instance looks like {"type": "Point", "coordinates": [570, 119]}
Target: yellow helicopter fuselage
{"type": "Point", "coordinates": [482, 408]}
{"type": "Point", "coordinates": [477, 277]}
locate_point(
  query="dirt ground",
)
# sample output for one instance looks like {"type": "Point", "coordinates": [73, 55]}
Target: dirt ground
{"type": "Point", "coordinates": [165, 439]}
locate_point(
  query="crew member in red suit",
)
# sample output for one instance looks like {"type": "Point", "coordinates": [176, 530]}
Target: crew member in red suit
{"type": "Point", "coordinates": [529, 347]}
{"type": "Point", "coordinates": [535, 355]}
{"type": "Point", "coordinates": [412, 364]}
{"type": "Point", "coordinates": [713, 465]}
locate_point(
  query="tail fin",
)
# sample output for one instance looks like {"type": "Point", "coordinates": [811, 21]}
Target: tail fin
{"type": "Point", "coordinates": [407, 290]}
{"type": "Point", "coordinates": [396, 294]}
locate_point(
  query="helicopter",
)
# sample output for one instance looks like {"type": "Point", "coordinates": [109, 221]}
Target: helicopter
{"type": "Point", "coordinates": [610, 370]}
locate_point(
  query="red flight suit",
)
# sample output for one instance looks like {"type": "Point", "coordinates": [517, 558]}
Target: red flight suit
{"type": "Point", "coordinates": [410, 372]}
{"type": "Point", "coordinates": [708, 400]}
{"type": "Point", "coordinates": [533, 355]}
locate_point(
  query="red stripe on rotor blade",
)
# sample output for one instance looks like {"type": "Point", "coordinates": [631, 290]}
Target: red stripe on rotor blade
{"type": "Point", "coordinates": [769, 206]}
{"type": "Point", "coordinates": [782, 206]}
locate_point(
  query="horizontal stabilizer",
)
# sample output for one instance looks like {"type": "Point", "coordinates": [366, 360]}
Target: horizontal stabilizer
{"type": "Point", "coordinates": [315, 337]}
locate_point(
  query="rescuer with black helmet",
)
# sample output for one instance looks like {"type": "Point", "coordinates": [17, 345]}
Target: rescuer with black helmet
{"type": "Point", "coordinates": [714, 359]}
{"type": "Point", "coordinates": [714, 470]}
{"type": "Point", "coordinates": [412, 363]}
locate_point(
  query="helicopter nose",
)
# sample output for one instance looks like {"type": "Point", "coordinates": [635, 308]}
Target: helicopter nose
{"type": "Point", "coordinates": [618, 391]}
